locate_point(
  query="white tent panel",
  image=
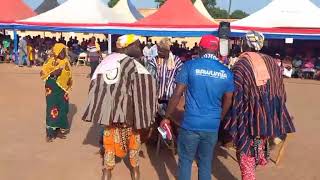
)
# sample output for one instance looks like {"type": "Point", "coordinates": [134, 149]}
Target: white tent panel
{"type": "Point", "coordinates": [203, 10]}
{"type": "Point", "coordinates": [74, 11]}
{"type": "Point", "coordinates": [88, 12]}
{"type": "Point", "coordinates": [125, 12]}
{"type": "Point", "coordinates": [284, 13]}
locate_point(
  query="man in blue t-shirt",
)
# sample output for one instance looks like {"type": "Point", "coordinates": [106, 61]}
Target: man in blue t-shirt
{"type": "Point", "coordinates": [208, 87]}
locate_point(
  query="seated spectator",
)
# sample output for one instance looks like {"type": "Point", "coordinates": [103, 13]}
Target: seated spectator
{"type": "Point", "coordinates": [297, 64]}
{"type": "Point", "coordinates": [287, 67]}
{"type": "Point", "coordinates": [308, 67]}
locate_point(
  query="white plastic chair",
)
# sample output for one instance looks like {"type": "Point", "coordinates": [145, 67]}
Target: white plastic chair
{"type": "Point", "coordinates": [83, 58]}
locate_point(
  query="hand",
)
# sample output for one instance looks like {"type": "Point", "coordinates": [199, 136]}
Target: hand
{"type": "Point", "coordinates": [164, 121]}
{"type": "Point", "coordinates": [70, 82]}
{"type": "Point", "coordinates": [57, 72]}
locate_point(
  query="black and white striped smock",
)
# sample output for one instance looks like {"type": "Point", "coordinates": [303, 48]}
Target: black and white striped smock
{"type": "Point", "coordinates": [130, 102]}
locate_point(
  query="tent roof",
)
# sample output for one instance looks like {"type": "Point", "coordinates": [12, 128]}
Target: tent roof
{"type": "Point", "coordinates": [47, 5]}
{"type": "Point", "coordinates": [284, 13]}
{"type": "Point", "coordinates": [12, 10]}
{"type": "Point", "coordinates": [74, 12]}
{"type": "Point", "coordinates": [176, 13]}
{"type": "Point", "coordinates": [203, 10]}
{"type": "Point", "coordinates": [125, 12]}
{"type": "Point", "coordinates": [85, 13]}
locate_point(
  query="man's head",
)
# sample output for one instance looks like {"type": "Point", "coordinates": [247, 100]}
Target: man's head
{"type": "Point", "coordinates": [253, 41]}
{"type": "Point", "coordinates": [92, 39]}
{"type": "Point", "coordinates": [149, 43]}
{"type": "Point", "coordinates": [209, 44]}
{"type": "Point", "coordinates": [130, 45]}
{"type": "Point", "coordinates": [164, 47]}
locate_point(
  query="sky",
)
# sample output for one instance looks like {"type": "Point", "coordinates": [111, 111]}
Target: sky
{"type": "Point", "coordinates": [248, 6]}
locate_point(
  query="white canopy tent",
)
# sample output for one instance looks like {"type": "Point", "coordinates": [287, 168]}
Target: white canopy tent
{"type": "Point", "coordinates": [125, 12]}
{"type": "Point", "coordinates": [203, 10]}
{"type": "Point", "coordinates": [284, 13]}
{"type": "Point", "coordinates": [87, 12]}
{"type": "Point", "coordinates": [74, 12]}
{"type": "Point", "coordinates": [82, 16]}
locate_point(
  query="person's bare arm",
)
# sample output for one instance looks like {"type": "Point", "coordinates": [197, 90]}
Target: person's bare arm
{"type": "Point", "coordinates": [174, 101]}
{"type": "Point", "coordinates": [226, 104]}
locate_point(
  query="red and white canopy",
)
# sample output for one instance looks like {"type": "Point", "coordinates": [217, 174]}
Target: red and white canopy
{"type": "Point", "coordinates": [12, 10]}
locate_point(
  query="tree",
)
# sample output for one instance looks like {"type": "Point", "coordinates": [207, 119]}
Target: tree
{"type": "Point", "coordinates": [218, 13]}
{"type": "Point", "coordinates": [112, 3]}
{"type": "Point", "coordinates": [207, 3]}
{"type": "Point", "coordinates": [238, 14]}
{"type": "Point", "coordinates": [160, 2]}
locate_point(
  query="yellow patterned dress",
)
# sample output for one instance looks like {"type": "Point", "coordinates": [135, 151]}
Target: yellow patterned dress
{"type": "Point", "coordinates": [57, 88]}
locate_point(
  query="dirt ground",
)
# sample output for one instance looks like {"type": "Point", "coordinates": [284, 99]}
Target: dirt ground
{"type": "Point", "coordinates": [25, 155]}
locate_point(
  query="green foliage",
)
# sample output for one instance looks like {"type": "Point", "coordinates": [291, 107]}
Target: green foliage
{"type": "Point", "coordinates": [112, 3]}
{"type": "Point", "coordinates": [238, 14]}
{"type": "Point", "coordinates": [218, 13]}
{"type": "Point", "coordinates": [160, 2]}
{"type": "Point", "coordinates": [207, 3]}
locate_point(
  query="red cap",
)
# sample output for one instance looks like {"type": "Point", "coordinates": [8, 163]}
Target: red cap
{"type": "Point", "coordinates": [210, 42]}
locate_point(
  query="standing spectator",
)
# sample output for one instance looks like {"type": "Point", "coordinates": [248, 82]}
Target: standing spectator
{"type": "Point", "coordinates": [165, 68]}
{"type": "Point", "coordinates": [259, 110]}
{"type": "Point", "coordinates": [30, 52]}
{"type": "Point", "coordinates": [209, 87]}
{"type": "Point", "coordinates": [23, 52]}
{"type": "Point", "coordinates": [58, 82]}
{"type": "Point", "coordinates": [149, 51]}
{"type": "Point", "coordinates": [93, 54]}
{"type": "Point", "coordinates": [6, 49]}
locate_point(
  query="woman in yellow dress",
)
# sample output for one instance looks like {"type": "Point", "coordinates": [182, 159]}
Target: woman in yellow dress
{"type": "Point", "coordinates": [56, 73]}
{"type": "Point", "coordinates": [30, 53]}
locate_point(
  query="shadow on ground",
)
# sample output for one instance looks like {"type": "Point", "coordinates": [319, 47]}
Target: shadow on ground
{"type": "Point", "coordinates": [72, 112]}
{"type": "Point", "coordinates": [220, 171]}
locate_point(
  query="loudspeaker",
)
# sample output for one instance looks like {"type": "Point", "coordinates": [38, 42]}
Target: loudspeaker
{"type": "Point", "coordinates": [224, 30]}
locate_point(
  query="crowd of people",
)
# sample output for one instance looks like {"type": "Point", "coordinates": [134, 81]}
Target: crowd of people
{"type": "Point", "coordinates": [33, 51]}
{"type": "Point", "coordinates": [137, 88]}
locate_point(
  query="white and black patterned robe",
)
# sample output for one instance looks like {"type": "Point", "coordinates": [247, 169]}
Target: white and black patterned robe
{"type": "Point", "coordinates": [130, 102]}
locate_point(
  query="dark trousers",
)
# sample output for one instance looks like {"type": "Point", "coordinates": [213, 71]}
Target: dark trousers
{"type": "Point", "coordinates": [93, 66]}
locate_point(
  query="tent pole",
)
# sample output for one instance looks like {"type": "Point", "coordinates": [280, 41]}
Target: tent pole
{"type": "Point", "coordinates": [109, 43]}
{"type": "Point", "coordinates": [15, 43]}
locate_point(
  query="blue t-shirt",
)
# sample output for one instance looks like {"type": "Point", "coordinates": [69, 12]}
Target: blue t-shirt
{"type": "Point", "coordinates": [207, 81]}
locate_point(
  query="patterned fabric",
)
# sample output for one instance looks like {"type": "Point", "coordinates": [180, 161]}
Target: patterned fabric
{"type": "Point", "coordinates": [259, 156]}
{"type": "Point", "coordinates": [118, 142]}
{"type": "Point", "coordinates": [257, 111]}
{"type": "Point", "coordinates": [109, 63]}
{"type": "Point", "coordinates": [57, 108]}
{"type": "Point", "coordinates": [64, 80]}
{"type": "Point", "coordinates": [165, 77]}
{"type": "Point", "coordinates": [131, 101]}
{"type": "Point", "coordinates": [261, 74]}
{"type": "Point", "coordinates": [255, 40]}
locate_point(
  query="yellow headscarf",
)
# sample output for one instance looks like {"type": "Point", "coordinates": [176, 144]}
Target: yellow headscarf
{"type": "Point", "coordinates": [125, 40]}
{"type": "Point", "coordinates": [65, 79]}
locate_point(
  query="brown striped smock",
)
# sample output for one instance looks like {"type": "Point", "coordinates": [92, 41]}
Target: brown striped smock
{"type": "Point", "coordinates": [130, 102]}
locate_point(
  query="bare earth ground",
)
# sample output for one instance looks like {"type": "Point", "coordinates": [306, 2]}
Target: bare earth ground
{"type": "Point", "coordinates": [24, 154]}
